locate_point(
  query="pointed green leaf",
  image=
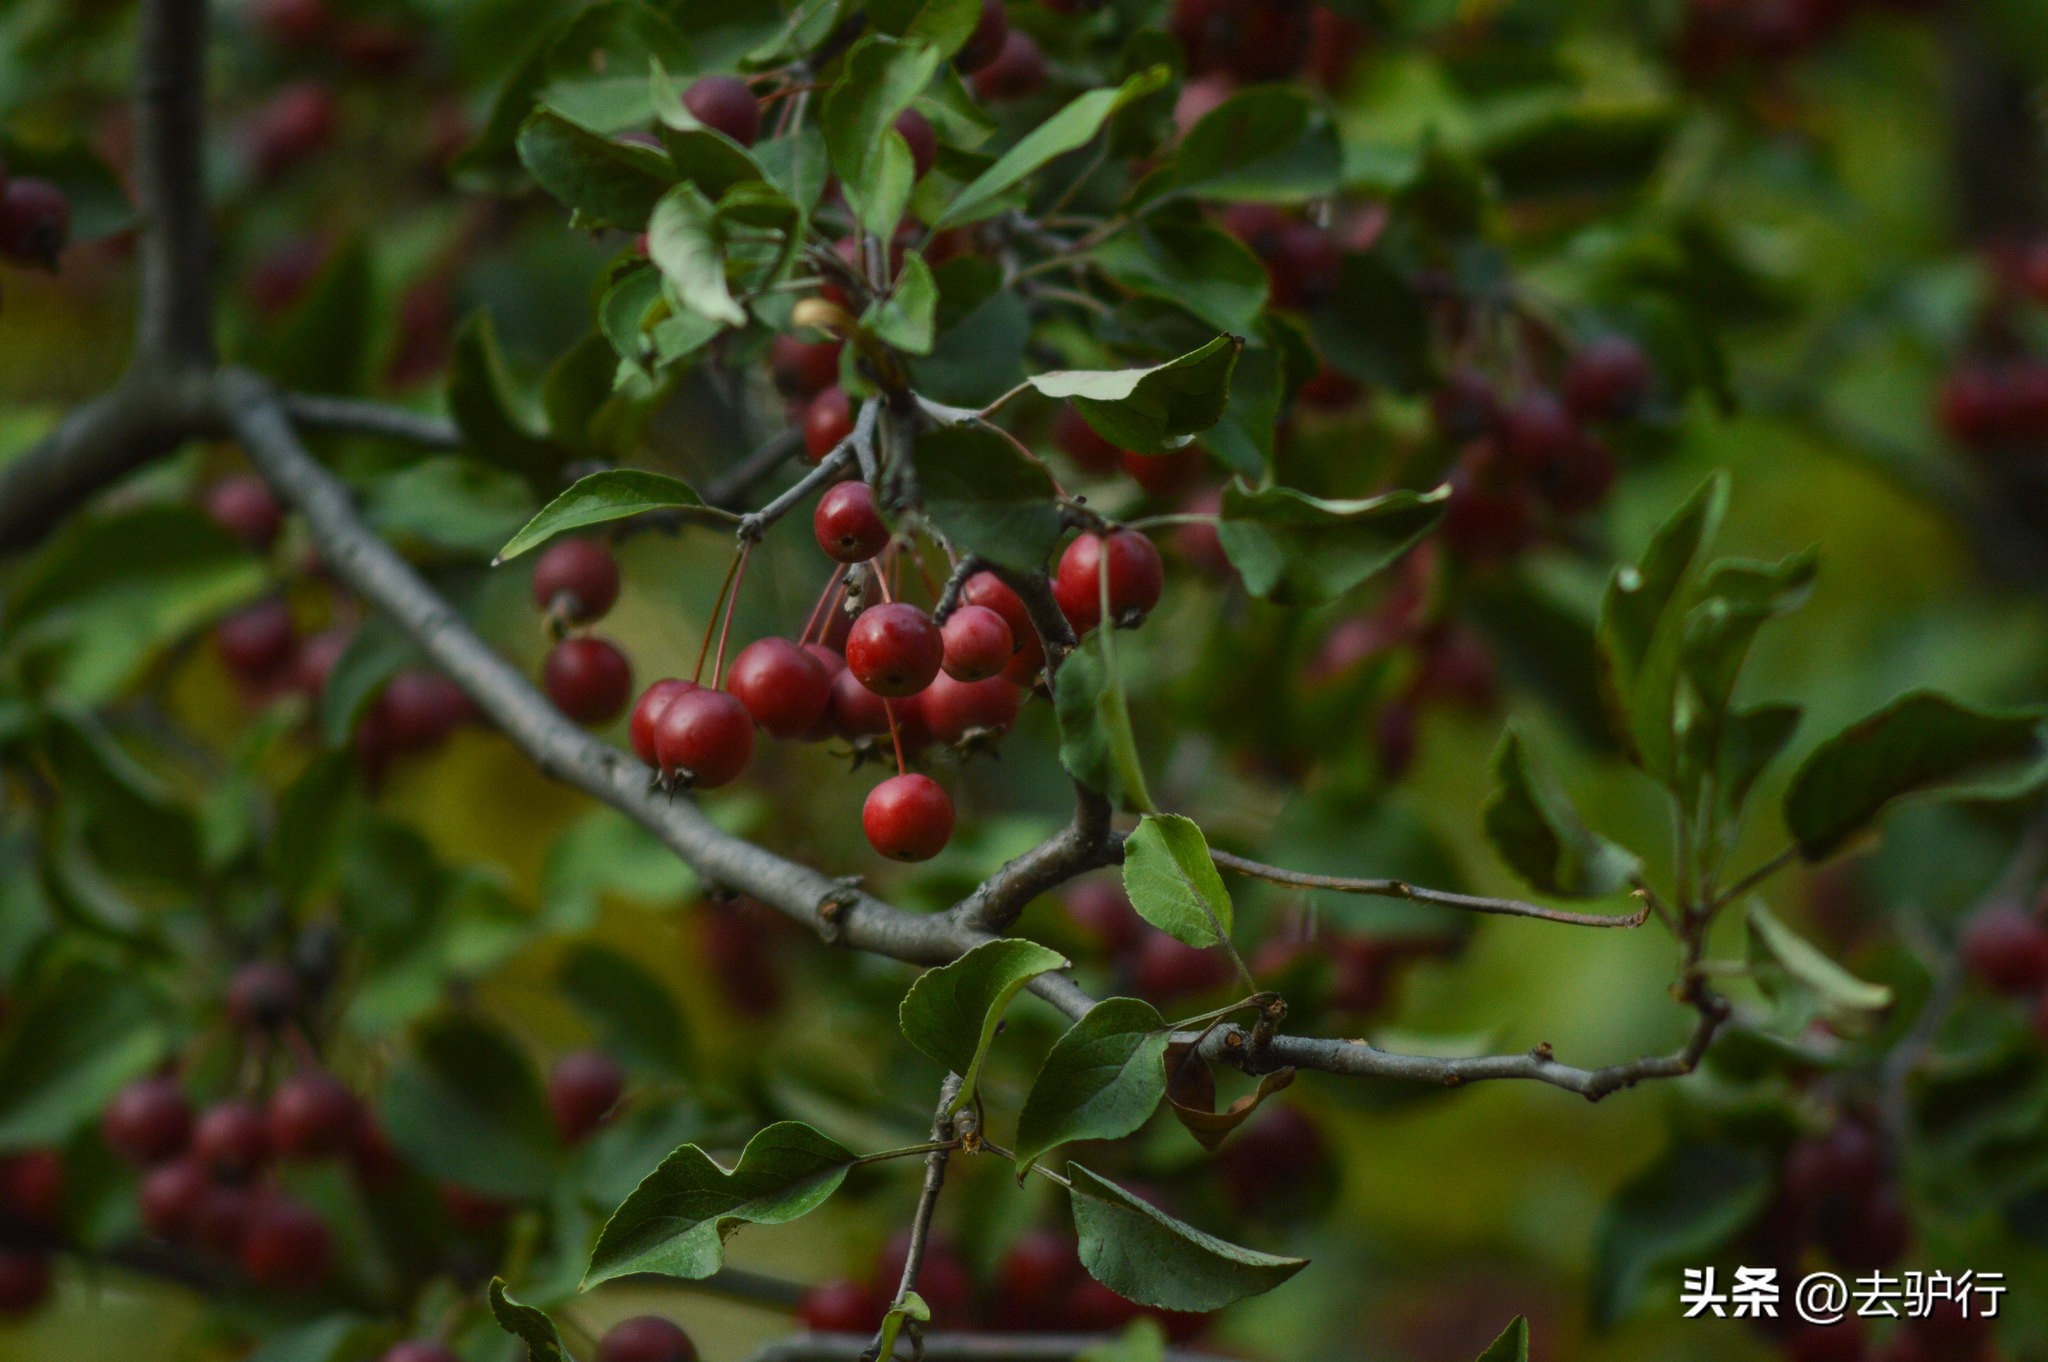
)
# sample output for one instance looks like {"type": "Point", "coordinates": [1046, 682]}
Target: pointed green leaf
{"type": "Point", "coordinates": [1269, 143]}
{"type": "Point", "coordinates": [1148, 411]}
{"type": "Point", "coordinates": [1147, 1256]}
{"type": "Point", "coordinates": [1097, 746]}
{"type": "Point", "coordinates": [1922, 744]}
{"type": "Point", "coordinates": [1512, 1345]}
{"type": "Point", "coordinates": [1173, 881]}
{"type": "Point", "coordinates": [1101, 1080]}
{"type": "Point", "coordinates": [70, 1045]}
{"type": "Point", "coordinates": [530, 1326]}
{"type": "Point", "coordinates": [604, 182]}
{"type": "Point", "coordinates": [1072, 127]}
{"type": "Point", "coordinates": [677, 1220]}
{"type": "Point", "coordinates": [686, 243]}
{"type": "Point", "coordinates": [495, 425]}
{"type": "Point", "coordinates": [1845, 1000]}
{"type": "Point", "coordinates": [637, 1020]}
{"type": "Point", "coordinates": [1678, 1212]}
{"type": "Point", "coordinates": [1750, 740]}
{"type": "Point", "coordinates": [987, 496]}
{"type": "Point", "coordinates": [1143, 1341]}
{"type": "Point", "coordinates": [1298, 550]}
{"type": "Point", "coordinates": [1192, 265]}
{"type": "Point", "coordinates": [951, 1013]}
{"type": "Point", "coordinates": [612, 494]}
{"type": "Point", "coordinates": [466, 1107]}
{"type": "Point", "coordinates": [912, 1308]}
{"type": "Point", "coordinates": [878, 80]}
{"type": "Point", "coordinates": [945, 24]}
{"type": "Point", "coordinates": [596, 71]}
{"type": "Point", "coordinates": [907, 316]}
{"type": "Point", "coordinates": [1537, 832]}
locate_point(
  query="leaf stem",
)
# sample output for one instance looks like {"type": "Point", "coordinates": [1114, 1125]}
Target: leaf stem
{"type": "Point", "coordinates": [1757, 876]}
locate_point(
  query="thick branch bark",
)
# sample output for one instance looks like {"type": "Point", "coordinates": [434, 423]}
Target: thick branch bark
{"type": "Point", "coordinates": [352, 416]}
{"type": "Point", "coordinates": [174, 319]}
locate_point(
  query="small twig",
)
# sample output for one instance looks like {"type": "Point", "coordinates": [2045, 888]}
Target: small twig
{"type": "Point", "coordinates": [1756, 877]}
{"type": "Point", "coordinates": [943, 1143]}
{"type": "Point", "coordinates": [757, 523]}
{"type": "Point", "coordinates": [1401, 889]}
{"type": "Point", "coordinates": [349, 416]}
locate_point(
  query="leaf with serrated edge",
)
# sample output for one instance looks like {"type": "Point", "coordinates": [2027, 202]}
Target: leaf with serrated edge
{"type": "Point", "coordinates": [1072, 127]}
{"type": "Point", "coordinates": [613, 494]}
{"type": "Point", "coordinates": [1100, 1081]}
{"type": "Point", "coordinates": [1299, 550]}
{"type": "Point", "coordinates": [951, 1012]}
{"type": "Point", "coordinates": [1512, 1345]}
{"type": "Point", "coordinates": [1173, 882]}
{"type": "Point", "coordinates": [677, 1220]}
{"type": "Point", "coordinates": [1148, 411]}
{"type": "Point", "coordinates": [1145, 1255]}
{"type": "Point", "coordinates": [530, 1326]}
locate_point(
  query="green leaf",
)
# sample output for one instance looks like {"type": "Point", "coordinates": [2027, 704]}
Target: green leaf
{"type": "Point", "coordinates": [1269, 143]}
{"type": "Point", "coordinates": [879, 79]}
{"type": "Point", "coordinates": [530, 1326]}
{"type": "Point", "coordinates": [1846, 1001]}
{"type": "Point", "coordinates": [595, 72]}
{"type": "Point", "coordinates": [1143, 1340]}
{"type": "Point", "coordinates": [1537, 832]}
{"type": "Point", "coordinates": [466, 1107]}
{"type": "Point", "coordinates": [604, 182]}
{"type": "Point", "coordinates": [1150, 410]}
{"type": "Point", "coordinates": [1750, 740]}
{"type": "Point", "coordinates": [1922, 744]}
{"type": "Point", "coordinates": [912, 1308]}
{"type": "Point", "coordinates": [612, 494]}
{"type": "Point", "coordinates": [1512, 1345]}
{"type": "Point", "coordinates": [951, 1013]}
{"type": "Point", "coordinates": [495, 425]}
{"type": "Point", "coordinates": [1173, 881]}
{"type": "Point", "coordinates": [1097, 746]}
{"type": "Point", "coordinates": [325, 344]}
{"type": "Point", "coordinates": [301, 848]}
{"type": "Point", "coordinates": [100, 204]}
{"type": "Point", "coordinates": [1071, 128]}
{"type": "Point", "coordinates": [677, 1220]}
{"type": "Point", "coordinates": [987, 496]}
{"type": "Point", "coordinates": [132, 820]}
{"type": "Point", "coordinates": [1147, 1256]}
{"type": "Point", "coordinates": [944, 24]}
{"type": "Point", "coordinates": [906, 317]}
{"type": "Point", "coordinates": [687, 244]}
{"type": "Point", "coordinates": [1679, 1212]}
{"type": "Point", "coordinates": [374, 655]}
{"type": "Point", "coordinates": [1101, 1080]}
{"type": "Point", "coordinates": [69, 1047]}
{"type": "Point", "coordinates": [448, 503]}
{"type": "Point", "coordinates": [1297, 549]}
{"type": "Point", "coordinates": [1376, 325]}
{"type": "Point", "coordinates": [1200, 268]}
{"type": "Point", "coordinates": [1642, 630]}
{"type": "Point", "coordinates": [1736, 600]}
{"type": "Point", "coordinates": [636, 1018]}
{"type": "Point", "coordinates": [631, 305]}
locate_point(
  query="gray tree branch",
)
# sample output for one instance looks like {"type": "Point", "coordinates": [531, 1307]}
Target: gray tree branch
{"type": "Point", "coordinates": [174, 316]}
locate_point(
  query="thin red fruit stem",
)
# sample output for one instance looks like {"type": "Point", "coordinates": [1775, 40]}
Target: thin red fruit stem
{"type": "Point", "coordinates": [711, 624]}
{"type": "Point", "coordinates": [880, 572]}
{"type": "Point", "coordinates": [895, 734]}
{"type": "Point", "coordinates": [817, 610]}
{"type": "Point", "coordinates": [731, 603]}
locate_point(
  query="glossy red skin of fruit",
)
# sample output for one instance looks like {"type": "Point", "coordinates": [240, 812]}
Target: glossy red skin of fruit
{"type": "Point", "coordinates": [232, 1139]}
{"type": "Point", "coordinates": [1537, 431]}
{"type": "Point", "coordinates": [1608, 378]}
{"type": "Point", "coordinates": [1136, 577]}
{"type": "Point", "coordinates": [32, 1189]}
{"type": "Point", "coordinates": [262, 994]}
{"type": "Point", "coordinates": [588, 678]}
{"type": "Point", "coordinates": [704, 738]}
{"type": "Point", "coordinates": [285, 1246]}
{"type": "Point", "coordinates": [35, 221]}
{"type": "Point", "coordinates": [1017, 72]}
{"type": "Point", "coordinates": [917, 133]}
{"type": "Point", "coordinates": [24, 1280]}
{"type": "Point", "coordinates": [221, 1218]}
{"type": "Point", "coordinates": [646, 1338]}
{"type": "Point", "coordinates": [987, 589]}
{"type": "Point", "coordinates": [784, 688]}
{"type": "Point", "coordinates": [312, 1115]}
{"type": "Point", "coordinates": [955, 710]}
{"type": "Point", "coordinates": [985, 43]}
{"type": "Point", "coordinates": [2007, 948]}
{"type": "Point", "coordinates": [419, 1350]}
{"type": "Point", "coordinates": [803, 368]}
{"type": "Point", "coordinates": [1101, 909]}
{"type": "Point", "coordinates": [827, 421]}
{"type": "Point", "coordinates": [576, 578]}
{"type": "Point", "coordinates": [583, 1087]}
{"type": "Point", "coordinates": [848, 524]}
{"type": "Point", "coordinates": [895, 649]}
{"type": "Point", "coordinates": [420, 709]}
{"type": "Point", "coordinates": [855, 711]}
{"type": "Point", "coordinates": [256, 640]}
{"type": "Point", "coordinates": [833, 665]}
{"type": "Point", "coordinates": [908, 818]}
{"type": "Point", "coordinates": [842, 1306]}
{"type": "Point", "coordinates": [1199, 542]}
{"type": "Point", "coordinates": [169, 1196]}
{"type": "Point", "coordinates": [1164, 968]}
{"type": "Point", "coordinates": [1079, 441]}
{"type": "Point", "coordinates": [243, 506]}
{"type": "Point", "coordinates": [725, 104]}
{"type": "Point", "coordinates": [148, 1121]}
{"type": "Point", "coordinates": [647, 714]}
{"type": "Point", "coordinates": [977, 643]}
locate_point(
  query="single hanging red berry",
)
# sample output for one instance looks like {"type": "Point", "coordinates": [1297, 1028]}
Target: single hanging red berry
{"type": "Point", "coordinates": [895, 649]}
{"type": "Point", "coordinates": [232, 1140]}
{"type": "Point", "coordinates": [725, 104]}
{"type": "Point", "coordinates": [977, 643]}
{"type": "Point", "coordinates": [583, 1087]}
{"type": "Point", "coordinates": [803, 368]}
{"type": "Point", "coordinates": [589, 679]}
{"type": "Point", "coordinates": [262, 994]}
{"type": "Point", "coordinates": [1607, 378]}
{"type": "Point", "coordinates": [313, 1115]}
{"type": "Point", "coordinates": [285, 1247]}
{"type": "Point", "coordinates": [917, 132]}
{"type": "Point", "coordinates": [646, 1338]}
{"type": "Point", "coordinates": [35, 222]}
{"type": "Point", "coordinates": [148, 1121]}
{"type": "Point", "coordinates": [908, 818]}
{"type": "Point", "coordinates": [827, 421]}
{"type": "Point", "coordinates": [704, 739]}
{"type": "Point", "coordinates": [848, 524]}
{"type": "Point", "coordinates": [244, 507]}
{"type": "Point", "coordinates": [1134, 569]}
{"type": "Point", "coordinates": [985, 43]}
{"type": "Point", "coordinates": [577, 578]}
{"type": "Point", "coordinates": [256, 640]}
{"type": "Point", "coordinates": [784, 688]}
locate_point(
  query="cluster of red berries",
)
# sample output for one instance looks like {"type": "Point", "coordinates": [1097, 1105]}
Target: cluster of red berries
{"type": "Point", "coordinates": [1227, 41]}
{"type": "Point", "coordinates": [1038, 1286]}
{"type": "Point", "coordinates": [1532, 453]}
{"type": "Point", "coordinates": [301, 119]}
{"type": "Point", "coordinates": [2006, 947]}
{"type": "Point", "coordinates": [575, 583]}
{"type": "Point", "coordinates": [1723, 34]}
{"type": "Point", "coordinates": [35, 220]}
